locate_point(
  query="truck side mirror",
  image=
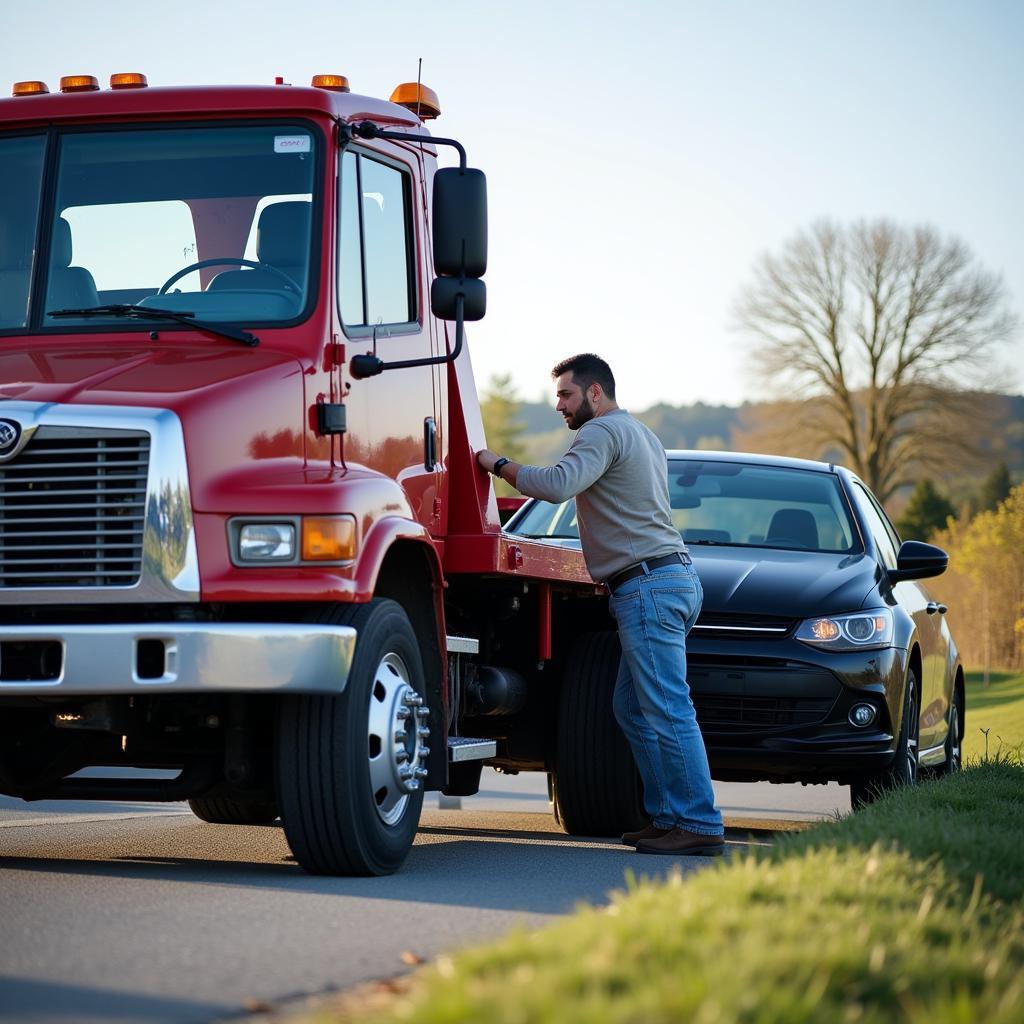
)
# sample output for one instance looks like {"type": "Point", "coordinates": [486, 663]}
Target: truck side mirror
{"type": "Point", "coordinates": [445, 293]}
{"type": "Point", "coordinates": [460, 223]}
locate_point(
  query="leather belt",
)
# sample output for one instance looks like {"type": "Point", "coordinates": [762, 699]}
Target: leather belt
{"type": "Point", "coordinates": [643, 568]}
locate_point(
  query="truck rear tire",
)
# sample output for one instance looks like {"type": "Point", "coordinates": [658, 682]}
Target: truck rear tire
{"type": "Point", "coordinates": [225, 811]}
{"type": "Point", "coordinates": [595, 786]}
{"type": "Point", "coordinates": [351, 767]}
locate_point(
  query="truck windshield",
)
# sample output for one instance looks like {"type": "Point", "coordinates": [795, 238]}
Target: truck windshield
{"type": "Point", "coordinates": [212, 221]}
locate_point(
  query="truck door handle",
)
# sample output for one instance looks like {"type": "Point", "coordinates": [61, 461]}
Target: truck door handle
{"type": "Point", "coordinates": [429, 444]}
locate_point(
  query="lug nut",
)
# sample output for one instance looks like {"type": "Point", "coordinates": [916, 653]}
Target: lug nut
{"type": "Point", "coordinates": [405, 772]}
{"type": "Point", "coordinates": [402, 756]}
{"type": "Point", "coordinates": [424, 752]}
{"type": "Point", "coordinates": [414, 700]}
{"type": "Point", "coordinates": [421, 773]}
{"type": "Point", "coordinates": [423, 732]}
{"type": "Point", "coordinates": [423, 712]}
{"type": "Point", "coordinates": [402, 713]}
{"type": "Point", "coordinates": [412, 785]}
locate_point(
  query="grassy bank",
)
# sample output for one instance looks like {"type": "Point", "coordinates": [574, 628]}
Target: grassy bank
{"type": "Point", "coordinates": [912, 910]}
{"type": "Point", "coordinates": [997, 707]}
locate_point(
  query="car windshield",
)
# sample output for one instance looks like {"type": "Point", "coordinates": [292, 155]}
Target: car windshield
{"type": "Point", "coordinates": [212, 221]}
{"type": "Point", "coordinates": [735, 504]}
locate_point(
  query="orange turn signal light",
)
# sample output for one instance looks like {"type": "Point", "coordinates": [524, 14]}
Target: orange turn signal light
{"type": "Point", "coordinates": [79, 83]}
{"type": "Point", "coordinates": [328, 538]}
{"type": "Point", "coordinates": [420, 99]}
{"type": "Point", "coordinates": [29, 89]}
{"type": "Point", "coordinates": [128, 80]}
{"type": "Point", "coordinates": [338, 83]}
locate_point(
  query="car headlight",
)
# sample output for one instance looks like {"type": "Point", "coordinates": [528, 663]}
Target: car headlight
{"type": "Point", "coordinates": [853, 632]}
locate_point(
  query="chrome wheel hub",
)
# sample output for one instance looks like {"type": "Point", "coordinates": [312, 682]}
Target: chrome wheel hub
{"type": "Point", "coordinates": [396, 740]}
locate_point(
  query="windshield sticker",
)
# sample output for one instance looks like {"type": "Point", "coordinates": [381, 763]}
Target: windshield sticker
{"type": "Point", "coordinates": [291, 143]}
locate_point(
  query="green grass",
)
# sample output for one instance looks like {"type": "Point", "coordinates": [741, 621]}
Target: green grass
{"type": "Point", "coordinates": [999, 708]}
{"type": "Point", "coordinates": [911, 910]}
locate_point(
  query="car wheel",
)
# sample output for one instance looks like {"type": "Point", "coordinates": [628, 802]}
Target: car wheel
{"type": "Point", "coordinates": [351, 767]}
{"type": "Point", "coordinates": [226, 811]}
{"type": "Point", "coordinates": [954, 736]}
{"type": "Point", "coordinates": [595, 787]}
{"type": "Point", "coordinates": [905, 769]}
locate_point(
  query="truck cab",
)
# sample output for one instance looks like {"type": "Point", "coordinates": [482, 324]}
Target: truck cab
{"type": "Point", "coordinates": [243, 535]}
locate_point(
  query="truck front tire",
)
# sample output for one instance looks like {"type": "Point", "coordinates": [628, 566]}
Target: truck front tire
{"type": "Point", "coordinates": [595, 786]}
{"type": "Point", "coordinates": [351, 768]}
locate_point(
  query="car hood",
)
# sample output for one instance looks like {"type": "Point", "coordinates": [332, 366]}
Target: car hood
{"type": "Point", "coordinates": [772, 582]}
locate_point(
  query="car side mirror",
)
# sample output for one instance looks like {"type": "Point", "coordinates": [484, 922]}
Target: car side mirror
{"type": "Point", "coordinates": [917, 561]}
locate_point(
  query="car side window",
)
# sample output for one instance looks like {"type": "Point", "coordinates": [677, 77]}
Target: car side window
{"type": "Point", "coordinates": [878, 525]}
{"type": "Point", "coordinates": [375, 267]}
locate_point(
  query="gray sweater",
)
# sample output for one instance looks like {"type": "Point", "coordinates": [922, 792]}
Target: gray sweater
{"type": "Point", "coordinates": [617, 471]}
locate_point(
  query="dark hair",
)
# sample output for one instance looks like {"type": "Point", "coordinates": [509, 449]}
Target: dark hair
{"type": "Point", "coordinates": [587, 369]}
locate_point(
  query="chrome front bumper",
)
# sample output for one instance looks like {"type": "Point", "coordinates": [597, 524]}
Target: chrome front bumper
{"type": "Point", "coordinates": [197, 658]}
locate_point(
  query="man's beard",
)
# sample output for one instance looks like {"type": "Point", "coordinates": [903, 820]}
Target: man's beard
{"type": "Point", "coordinates": [581, 415]}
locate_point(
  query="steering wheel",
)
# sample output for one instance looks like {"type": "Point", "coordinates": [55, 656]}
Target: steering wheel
{"type": "Point", "coordinates": [234, 261]}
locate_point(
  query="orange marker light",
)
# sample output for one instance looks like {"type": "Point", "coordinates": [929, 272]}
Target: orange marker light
{"type": "Point", "coordinates": [29, 89]}
{"type": "Point", "coordinates": [328, 539]}
{"type": "Point", "coordinates": [128, 80]}
{"type": "Point", "coordinates": [337, 83]}
{"type": "Point", "coordinates": [79, 83]}
{"type": "Point", "coordinates": [420, 99]}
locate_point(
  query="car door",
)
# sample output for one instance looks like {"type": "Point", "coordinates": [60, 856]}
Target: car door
{"type": "Point", "coordinates": [914, 598]}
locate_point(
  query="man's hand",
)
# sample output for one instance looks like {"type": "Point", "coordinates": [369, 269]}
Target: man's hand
{"type": "Point", "coordinates": [487, 458]}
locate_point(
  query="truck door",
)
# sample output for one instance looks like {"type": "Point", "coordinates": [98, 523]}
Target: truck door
{"type": "Point", "coordinates": [382, 300]}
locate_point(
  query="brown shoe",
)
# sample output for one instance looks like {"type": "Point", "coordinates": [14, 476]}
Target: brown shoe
{"type": "Point", "coordinates": [649, 832]}
{"type": "Point", "coordinates": [680, 843]}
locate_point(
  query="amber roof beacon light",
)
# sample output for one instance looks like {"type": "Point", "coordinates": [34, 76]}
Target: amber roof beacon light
{"type": "Point", "coordinates": [29, 89]}
{"type": "Point", "coordinates": [336, 83]}
{"type": "Point", "coordinates": [79, 83]}
{"type": "Point", "coordinates": [128, 80]}
{"type": "Point", "coordinates": [420, 99]}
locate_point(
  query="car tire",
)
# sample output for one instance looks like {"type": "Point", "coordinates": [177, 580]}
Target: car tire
{"type": "Point", "coordinates": [954, 745]}
{"type": "Point", "coordinates": [905, 767]}
{"type": "Point", "coordinates": [225, 811]}
{"type": "Point", "coordinates": [351, 767]}
{"type": "Point", "coordinates": [595, 786]}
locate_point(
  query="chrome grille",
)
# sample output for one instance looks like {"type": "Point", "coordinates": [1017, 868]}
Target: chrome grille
{"type": "Point", "coordinates": [73, 508]}
{"type": "Point", "coordinates": [743, 626]}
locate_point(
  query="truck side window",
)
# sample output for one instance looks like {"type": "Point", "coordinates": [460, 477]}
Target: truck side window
{"type": "Point", "coordinates": [375, 259]}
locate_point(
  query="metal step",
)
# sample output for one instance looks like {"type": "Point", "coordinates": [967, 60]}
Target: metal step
{"type": "Point", "coordinates": [463, 645]}
{"type": "Point", "coordinates": [465, 748]}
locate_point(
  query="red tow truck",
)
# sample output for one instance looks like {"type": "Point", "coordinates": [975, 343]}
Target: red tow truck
{"type": "Point", "coordinates": [243, 536]}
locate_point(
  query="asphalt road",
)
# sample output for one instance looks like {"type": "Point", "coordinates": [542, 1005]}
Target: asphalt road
{"type": "Point", "coordinates": [143, 913]}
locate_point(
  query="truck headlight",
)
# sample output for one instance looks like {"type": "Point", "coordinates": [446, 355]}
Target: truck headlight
{"type": "Point", "coordinates": [266, 542]}
{"type": "Point", "coordinates": [854, 632]}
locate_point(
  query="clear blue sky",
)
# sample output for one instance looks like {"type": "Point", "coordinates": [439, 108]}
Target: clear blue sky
{"type": "Point", "coordinates": [639, 155]}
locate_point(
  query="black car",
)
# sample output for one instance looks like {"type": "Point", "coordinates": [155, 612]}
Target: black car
{"type": "Point", "coordinates": [818, 655]}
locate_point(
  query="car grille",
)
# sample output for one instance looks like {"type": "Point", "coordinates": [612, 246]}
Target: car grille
{"type": "Point", "coordinates": [72, 509]}
{"type": "Point", "coordinates": [743, 626]}
{"type": "Point", "coordinates": [723, 713]}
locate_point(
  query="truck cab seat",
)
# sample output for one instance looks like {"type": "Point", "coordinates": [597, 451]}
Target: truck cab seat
{"type": "Point", "coordinates": [282, 240]}
{"type": "Point", "coordinates": [70, 287]}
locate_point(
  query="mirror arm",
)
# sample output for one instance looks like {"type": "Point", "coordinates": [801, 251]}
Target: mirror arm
{"type": "Point", "coordinates": [369, 130]}
{"type": "Point", "coordinates": [368, 365]}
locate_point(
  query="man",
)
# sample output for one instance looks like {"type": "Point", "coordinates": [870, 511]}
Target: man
{"type": "Point", "coordinates": [617, 470]}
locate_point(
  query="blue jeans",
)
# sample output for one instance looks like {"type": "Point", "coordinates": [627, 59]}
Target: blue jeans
{"type": "Point", "coordinates": [652, 698]}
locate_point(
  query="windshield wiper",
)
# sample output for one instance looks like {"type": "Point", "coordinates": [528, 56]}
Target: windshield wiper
{"type": "Point", "coordinates": [131, 312]}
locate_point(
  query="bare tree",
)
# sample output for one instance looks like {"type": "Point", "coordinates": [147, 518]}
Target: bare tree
{"type": "Point", "coordinates": [879, 340]}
